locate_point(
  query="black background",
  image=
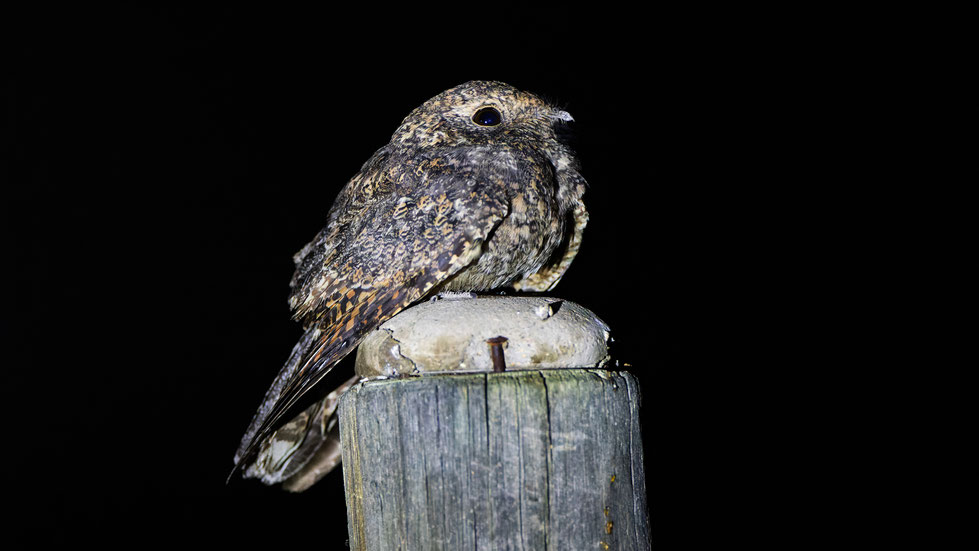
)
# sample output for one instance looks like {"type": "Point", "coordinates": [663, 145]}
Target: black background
{"type": "Point", "coordinates": [162, 166]}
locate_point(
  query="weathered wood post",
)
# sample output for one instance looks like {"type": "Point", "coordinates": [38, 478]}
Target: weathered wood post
{"type": "Point", "coordinates": [534, 458]}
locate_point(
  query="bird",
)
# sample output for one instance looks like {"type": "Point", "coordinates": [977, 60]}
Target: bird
{"type": "Point", "coordinates": [477, 190]}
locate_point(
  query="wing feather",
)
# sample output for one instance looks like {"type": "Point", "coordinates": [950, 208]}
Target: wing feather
{"type": "Point", "coordinates": [397, 254]}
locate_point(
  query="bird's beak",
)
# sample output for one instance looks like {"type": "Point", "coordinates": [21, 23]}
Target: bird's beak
{"type": "Point", "coordinates": [563, 116]}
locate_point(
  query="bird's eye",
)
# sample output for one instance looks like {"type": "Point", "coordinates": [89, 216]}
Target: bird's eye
{"type": "Point", "coordinates": [487, 116]}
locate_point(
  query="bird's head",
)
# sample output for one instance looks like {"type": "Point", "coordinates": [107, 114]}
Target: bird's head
{"type": "Point", "coordinates": [488, 113]}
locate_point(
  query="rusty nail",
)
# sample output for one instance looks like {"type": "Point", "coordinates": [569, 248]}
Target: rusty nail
{"type": "Point", "coordinates": [496, 353]}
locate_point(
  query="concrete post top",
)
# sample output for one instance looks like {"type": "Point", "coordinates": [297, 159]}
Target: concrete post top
{"type": "Point", "coordinates": [451, 334]}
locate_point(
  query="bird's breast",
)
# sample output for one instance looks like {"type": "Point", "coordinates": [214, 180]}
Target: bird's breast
{"type": "Point", "coordinates": [521, 245]}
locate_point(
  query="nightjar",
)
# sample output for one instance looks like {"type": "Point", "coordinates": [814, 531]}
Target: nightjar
{"type": "Point", "coordinates": [476, 190]}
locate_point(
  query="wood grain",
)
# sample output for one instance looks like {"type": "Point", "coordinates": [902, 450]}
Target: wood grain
{"type": "Point", "coordinates": [520, 460]}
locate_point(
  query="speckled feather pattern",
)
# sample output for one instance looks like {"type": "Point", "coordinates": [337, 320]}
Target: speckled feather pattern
{"type": "Point", "coordinates": [446, 205]}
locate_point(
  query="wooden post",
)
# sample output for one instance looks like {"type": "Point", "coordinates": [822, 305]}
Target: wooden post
{"type": "Point", "coordinates": [523, 460]}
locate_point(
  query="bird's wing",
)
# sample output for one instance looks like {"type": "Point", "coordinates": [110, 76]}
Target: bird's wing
{"type": "Point", "coordinates": [363, 191]}
{"type": "Point", "coordinates": [397, 251]}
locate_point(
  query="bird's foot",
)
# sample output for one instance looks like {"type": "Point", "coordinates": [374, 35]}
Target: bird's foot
{"type": "Point", "coordinates": [453, 295]}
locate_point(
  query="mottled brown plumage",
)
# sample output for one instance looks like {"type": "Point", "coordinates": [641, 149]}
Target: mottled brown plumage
{"type": "Point", "coordinates": [450, 204]}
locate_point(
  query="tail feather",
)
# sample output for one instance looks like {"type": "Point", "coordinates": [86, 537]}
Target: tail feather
{"type": "Point", "coordinates": [300, 352]}
{"type": "Point", "coordinates": [312, 359]}
{"type": "Point", "coordinates": [305, 448]}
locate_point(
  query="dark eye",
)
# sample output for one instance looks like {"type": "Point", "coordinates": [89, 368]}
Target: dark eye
{"type": "Point", "coordinates": [487, 116]}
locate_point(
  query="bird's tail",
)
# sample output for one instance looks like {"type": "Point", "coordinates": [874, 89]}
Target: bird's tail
{"type": "Point", "coordinates": [299, 354]}
{"type": "Point", "coordinates": [304, 449]}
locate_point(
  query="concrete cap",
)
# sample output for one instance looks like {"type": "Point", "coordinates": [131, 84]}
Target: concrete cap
{"type": "Point", "coordinates": [450, 334]}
